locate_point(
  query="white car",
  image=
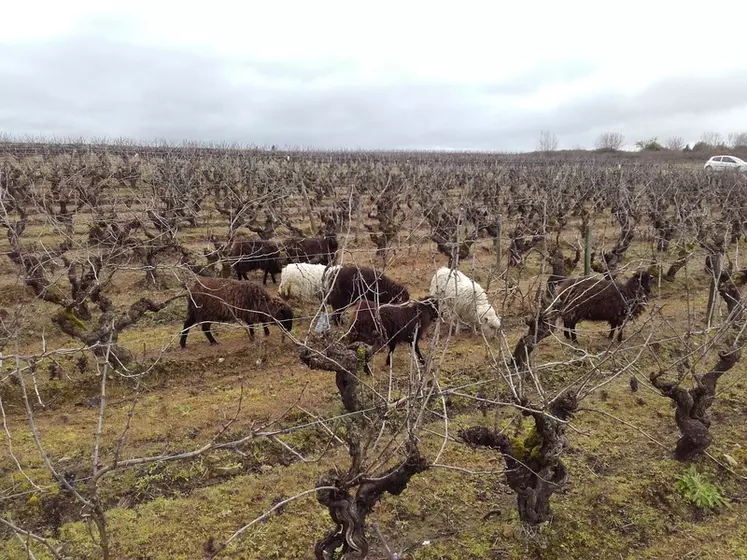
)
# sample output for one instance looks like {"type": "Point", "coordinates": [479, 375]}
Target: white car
{"type": "Point", "coordinates": [725, 163]}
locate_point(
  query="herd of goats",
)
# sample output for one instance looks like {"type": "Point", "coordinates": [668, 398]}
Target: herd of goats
{"type": "Point", "coordinates": [384, 314]}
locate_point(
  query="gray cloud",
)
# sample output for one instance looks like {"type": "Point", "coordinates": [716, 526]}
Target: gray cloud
{"type": "Point", "coordinates": [96, 84]}
{"type": "Point", "coordinates": [680, 97]}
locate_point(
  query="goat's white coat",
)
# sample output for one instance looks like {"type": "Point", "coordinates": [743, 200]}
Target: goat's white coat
{"type": "Point", "coordinates": [462, 301]}
{"type": "Point", "coordinates": [303, 281]}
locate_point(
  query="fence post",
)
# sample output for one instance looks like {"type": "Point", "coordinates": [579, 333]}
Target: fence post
{"type": "Point", "coordinates": [716, 265]}
{"type": "Point", "coordinates": [587, 250]}
{"type": "Point", "coordinates": [358, 220]}
{"type": "Point", "coordinates": [497, 243]}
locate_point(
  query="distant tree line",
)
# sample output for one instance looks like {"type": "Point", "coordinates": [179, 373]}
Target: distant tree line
{"type": "Point", "coordinates": [614, 141]}
{"type": "Point", "coordinates": [709, 142]}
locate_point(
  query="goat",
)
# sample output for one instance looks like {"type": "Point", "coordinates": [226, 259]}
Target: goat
{"type": "Point", "coordinates": [303, 281]}
{"type": "Point", "coordinates": [256, 254]}
{"type": "Point", "coordinates": [463, 301]}
{"type": "Point", "coordinates": [591, 299]}
{"type": "Point", "coordinates": [347, 284]}
{"type": "Point", "coordinates": [392, 324]}
{"type": "Point", "coordinates": [314, 250]}
{"type": "Point", "coordinates": [214, 300]}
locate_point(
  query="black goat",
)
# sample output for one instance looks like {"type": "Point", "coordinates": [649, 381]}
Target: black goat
{"type": "Point", "coordinates": [256, 254]}
{"type": "Point", "coordinates": [591, 299]}
{"type": "Point", "coordinates": [314, 250]}
{"type": "Point", "coordinates": [392, 324]}
{"type": "Point", "coordinates": [349, 284]}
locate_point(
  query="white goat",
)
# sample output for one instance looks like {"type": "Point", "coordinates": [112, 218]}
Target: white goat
{"type": "Point", "coordinates": [462, 301]}
{"type": "Point", "coordinates": [302, 281]}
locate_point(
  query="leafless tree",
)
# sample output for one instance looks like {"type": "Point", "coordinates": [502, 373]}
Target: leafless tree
{"type": "Point", "coordinates": [547, 141]}
{"type": "Point", "coordinates": [675, 143]}
{"type": "Point", "coordinates": [737, 140]}
{"type": "Point", "coordinates": [610, 141]}
{"type": "Point", "coordinates": [712, 139]}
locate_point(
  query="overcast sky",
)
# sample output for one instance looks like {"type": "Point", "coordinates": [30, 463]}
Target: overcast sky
{"type": "Point", "coordinates": [385, 74]}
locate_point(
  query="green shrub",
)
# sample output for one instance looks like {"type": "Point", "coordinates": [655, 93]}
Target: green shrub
{"type": "Point", "coordinates": [650, 145]}
{"type": "Point", "coordinates": [697, 490]}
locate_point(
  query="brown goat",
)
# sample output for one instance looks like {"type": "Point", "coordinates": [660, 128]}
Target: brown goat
{"type": "Point", "coordinates": [350, 284]}
{"type": "Point", "coordinates": [392, 324]}
{"type": "Point", "coordinates": [590, 299]}
{"type": "Point", "coordinates": [256, 254]}
{"type": "Point", "coordinates": [214, 300]}
{"type": "Point", "coordinates": [314, 250]}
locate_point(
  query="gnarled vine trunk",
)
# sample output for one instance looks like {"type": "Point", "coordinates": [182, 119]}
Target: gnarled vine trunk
{"type": "Point", "coordinates": [346, 362]}
{"type": "Point", "coordinates": [540, 327]}
{"type": "Point", "coordinates": [534, 469]}
{"type": "Point", "coordinates": [692, 405]}
{"type": "Point", "coordinates": [349, 511]}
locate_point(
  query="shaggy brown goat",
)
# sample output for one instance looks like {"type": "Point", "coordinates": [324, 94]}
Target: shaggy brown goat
{"type": "Point", "coordinates": [392, 324]}
{"type": "Point", "coordinates": [256, 254]}
{"type": "Point", "coordinates": [314, 250]}
{"type": "Point", "coordinates": [214, 300]}
{"type": "Point", "coordinates": [590, 299]}
{"type": "Point", "coordinates": [350, 284]}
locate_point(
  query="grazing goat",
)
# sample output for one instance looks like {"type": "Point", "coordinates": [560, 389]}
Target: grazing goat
{"type": "Point", "coordinates": [214, 300]}
{"type": "Point", "coordinates": [348, 284]}
{"type": "Point", "coordinates": [463, 301]}
{"type": "Point", "coordinates": [591, 299]}
{"type": "Point", "coordinates": [256, 254]}
{"type": "Point", "coordinates": [314, 250]}
{"type": "Point", "coordinates": [303, 281]}
{"type": "Point", "coordinates": [392, 324]}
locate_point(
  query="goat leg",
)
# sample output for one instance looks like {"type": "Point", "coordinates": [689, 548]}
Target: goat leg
{"type": "Point", "coordinates": [418, 354]}
{"type": "Point", "coordinates": [566, 329]}
{"type": "Point", "coordinates": [613, 328]}
{"type": "Point", "coordinates": [208, 334]}
{"type": "Point", "coordinates": [185, 330]}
